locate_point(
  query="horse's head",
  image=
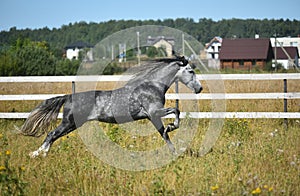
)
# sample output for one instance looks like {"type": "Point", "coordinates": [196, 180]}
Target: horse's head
{"type": "Point", "coordinates": [187, 76]}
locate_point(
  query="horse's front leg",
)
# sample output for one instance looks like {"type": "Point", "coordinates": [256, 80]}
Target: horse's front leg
{"type": "Point", "coordinates": [156, 120]}
{"type": "Point", "coordinates": [172, 126]}
{"type": "Point", "coordinates": [160, 127]}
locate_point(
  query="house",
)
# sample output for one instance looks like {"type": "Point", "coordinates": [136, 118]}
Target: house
{"type": "Point", "coordinates": [73, 50]}
{"type": "Point", "coordinates": [286, 41]}
{"type": "Point", "coordinates": [212, 52]}
{"type": "Point", "coordinates": [213, 48]}
{"type": "Point", "coordinates": [245, 53]}
{"type": "Point", "coordinates": [287, 56]}
{"type": "Point", "coordinates": [166, 43]}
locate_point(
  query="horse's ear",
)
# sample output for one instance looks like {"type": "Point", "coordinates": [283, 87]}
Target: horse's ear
{"type": "Point", "coordinates": [183, 62]}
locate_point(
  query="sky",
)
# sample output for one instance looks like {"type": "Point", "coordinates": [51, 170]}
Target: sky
{"type": "Point", "coordinates": [34, 14]}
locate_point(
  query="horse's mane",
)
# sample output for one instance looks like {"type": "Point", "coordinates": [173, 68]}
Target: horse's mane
{"type": "Point", "coordinates": [146, 71]}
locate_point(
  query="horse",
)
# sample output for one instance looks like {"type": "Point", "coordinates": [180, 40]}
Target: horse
{"type": "Point", "coordinates": [142, 97]}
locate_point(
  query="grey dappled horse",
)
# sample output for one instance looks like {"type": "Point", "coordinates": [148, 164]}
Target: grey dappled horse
{"type": "Point", "coordinates": [143, 97]}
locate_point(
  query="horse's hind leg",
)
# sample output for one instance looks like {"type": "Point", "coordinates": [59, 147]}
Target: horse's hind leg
{"type": "Point", "coordinates": [61, 130]}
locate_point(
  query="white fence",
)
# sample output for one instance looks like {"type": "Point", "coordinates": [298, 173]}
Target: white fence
{"type": "Point", "coordinates": [109, 78]}
{"type": "Point", "coordinates": [181, 96]}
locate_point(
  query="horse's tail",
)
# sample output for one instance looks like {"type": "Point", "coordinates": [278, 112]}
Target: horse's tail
{"type": "Point", "coordinates": [40, 118]}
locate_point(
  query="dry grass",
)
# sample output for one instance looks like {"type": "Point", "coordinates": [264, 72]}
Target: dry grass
{"type": "Point", "coordinates": [255, 156]}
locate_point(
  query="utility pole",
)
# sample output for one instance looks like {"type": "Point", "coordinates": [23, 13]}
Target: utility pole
{"type": "Point", "coordinates": [138, 48]}
{"type": "Point", "coordinates": [183, 44]}
{"type": "Point", "coordinates": [275, 52]}
{"type": "Point", "coordinates": [112, 52]}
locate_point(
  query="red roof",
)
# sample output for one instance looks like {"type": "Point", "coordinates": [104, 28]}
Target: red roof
{"type": "Point", "coordinates": [242, 49]}
{"type": "Point", "coordinates": [292, 51]}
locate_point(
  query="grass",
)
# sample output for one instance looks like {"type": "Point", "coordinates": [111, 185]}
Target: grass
{"type": "Point", "coordinates": [250, 157]}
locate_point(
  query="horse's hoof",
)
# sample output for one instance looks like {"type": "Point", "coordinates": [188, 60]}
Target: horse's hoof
{"type": "Point", "coordinates": [33, 154]}
{"type": "Point", "coordinates": [44, 154]}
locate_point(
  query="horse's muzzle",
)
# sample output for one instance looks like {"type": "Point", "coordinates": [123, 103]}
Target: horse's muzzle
{"type": "Point", "coordinates": [198, 90]}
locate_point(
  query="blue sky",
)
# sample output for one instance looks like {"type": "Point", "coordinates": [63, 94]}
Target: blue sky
{"type": "Point", "coordinates": [55, 13]}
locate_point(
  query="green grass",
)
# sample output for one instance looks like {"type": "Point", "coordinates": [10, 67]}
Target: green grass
{"type": "Point", "coordinates": [250, 157]}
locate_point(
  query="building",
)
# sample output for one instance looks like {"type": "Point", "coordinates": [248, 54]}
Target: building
{"type": "Point", "coordinates": [286, 41]}
{"type": "Point", "coordinates": [287, 56]}
{"type": "Point", "coordinates": [166, 43]}
{"type": "Point", "coordinates": [212, 51]}
{"type": "Point", "coordinates": [245, 53]}
{"type": "Point", "coordinates": [213, 48]}
{"type": "Point", "coordinates": [73, 50]}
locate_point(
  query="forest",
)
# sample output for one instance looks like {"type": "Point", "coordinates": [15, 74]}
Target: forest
{"type": "Point", "coordinates": [40, 51]}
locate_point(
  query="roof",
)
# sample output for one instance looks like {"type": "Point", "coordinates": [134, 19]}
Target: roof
{"type": "Point", "coordinates": [292, 51]}
{"type": "Point", "coordinates": [154, 40]}
{"type": "Point", "coordinates": [215, 39]}
{"type": "Point", "coordinates": [79, 45]}
{"type": "Point", "coordinates": [242, 49]}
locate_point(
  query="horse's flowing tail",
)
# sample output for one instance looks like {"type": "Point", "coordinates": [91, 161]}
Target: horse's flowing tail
{"type": "Point", "coordinates": [40, 118]}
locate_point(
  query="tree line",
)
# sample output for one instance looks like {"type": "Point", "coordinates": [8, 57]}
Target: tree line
{"type": "Point", "coordinates": [40, 51]}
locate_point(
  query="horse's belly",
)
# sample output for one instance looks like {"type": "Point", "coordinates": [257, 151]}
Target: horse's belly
{"type": "Point", "coordinates": [118, 116]}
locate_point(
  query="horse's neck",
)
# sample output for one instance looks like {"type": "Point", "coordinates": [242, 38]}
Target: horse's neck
{"type": "Point", "coordinates": [165, 80]}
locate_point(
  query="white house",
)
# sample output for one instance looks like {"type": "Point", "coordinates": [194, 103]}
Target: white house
{"type": "Point", "coordinates": [287, 42]}
{"type": "Point", "coordinates": [212, 51]}
{"type": "Point", "coordinates": [73, 50]}
{"type": "Point", "coordinates": [281, 56]}
{"type": "Point", "coordinates": [213, 48]}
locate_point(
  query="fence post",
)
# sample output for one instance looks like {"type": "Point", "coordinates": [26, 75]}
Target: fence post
{"type": "Point", "coordinates": [285, 102]}
{"type": "Point", "coordinates": [73, 87]}
{"type": "Point", "coordinates": [176, 91]}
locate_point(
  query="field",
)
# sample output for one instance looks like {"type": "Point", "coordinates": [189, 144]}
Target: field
{"type": "Point", "coordinates": [250, 157]}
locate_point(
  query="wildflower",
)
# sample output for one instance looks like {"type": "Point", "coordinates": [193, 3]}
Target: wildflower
{"type": "Point", "coordinates": [214, 188]}
{"type": "Point", "coordinates": [8, 152]}
{"type": "Point", "coordinates": [256, 191]}
{"type": "Point", "coordinates": [131, 146]}
{"type": "Point", "coordinates": [2, 168]}
{"type": "Point", "coordinates": [22, 168]}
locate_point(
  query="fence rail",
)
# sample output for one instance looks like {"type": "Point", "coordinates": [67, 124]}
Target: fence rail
{"type": "Point", "coordinates": [272, 115]}
{"type": "Point", "coordinates": [174, 96]}
{"type": "Point", "coordinates": [116, 78]}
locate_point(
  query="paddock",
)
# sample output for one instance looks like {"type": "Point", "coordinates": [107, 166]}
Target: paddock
{"type": "Point", "coordinates": [256, 153]}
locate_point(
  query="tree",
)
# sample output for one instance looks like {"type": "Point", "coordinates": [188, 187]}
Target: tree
{"type": "Point", "coordinates": [67, 67]}
{"type": "Point", "coordinates": [27, 57]}
{"type": "Point", "coordinates": [151, 52]}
